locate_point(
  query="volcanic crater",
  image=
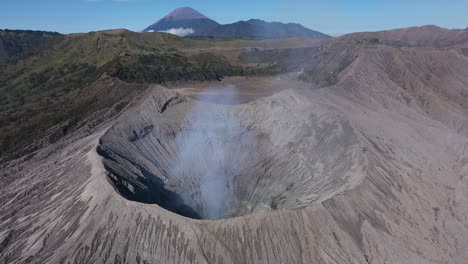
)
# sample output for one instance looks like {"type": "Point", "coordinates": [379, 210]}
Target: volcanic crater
{"type": "Point", "coordinates": [205, 160]}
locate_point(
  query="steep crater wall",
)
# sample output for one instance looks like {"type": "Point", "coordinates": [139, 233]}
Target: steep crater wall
{"type": "Point", "coordinates": [210, 161]}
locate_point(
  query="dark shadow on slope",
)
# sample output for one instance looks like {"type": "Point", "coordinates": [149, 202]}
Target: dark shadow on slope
{"type": "Point", "coordinates": [148, 189]}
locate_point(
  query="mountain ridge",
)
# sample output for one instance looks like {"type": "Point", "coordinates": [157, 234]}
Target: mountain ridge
{"type": "Point", "coordinates": [258, 28]}
{"type": "Point", "coordinates": [186, 21]}
{"type": "Point", "coordinates": [183, 22]}
{"type": "Point", "coordinates": [426, 35]}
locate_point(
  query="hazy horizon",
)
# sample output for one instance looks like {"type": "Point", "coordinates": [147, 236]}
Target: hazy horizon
{"type": "Point", "coordinates": [330, 17]}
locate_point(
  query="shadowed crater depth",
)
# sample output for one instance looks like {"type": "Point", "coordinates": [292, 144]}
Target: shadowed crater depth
{"type": "Point", "coordinates": [210, 161]}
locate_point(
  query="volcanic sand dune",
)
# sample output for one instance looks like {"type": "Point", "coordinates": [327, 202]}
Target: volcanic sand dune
{"type": "Point", "coordinates": [369, 170]}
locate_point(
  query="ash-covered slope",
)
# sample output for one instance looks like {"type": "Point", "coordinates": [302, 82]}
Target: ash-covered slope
{"type": "Point", "coordinates": [219, 161]}
{"type": "Point", "coordinates": [371, 168]}
{"type": "Point", "coordinates": [429, 36]}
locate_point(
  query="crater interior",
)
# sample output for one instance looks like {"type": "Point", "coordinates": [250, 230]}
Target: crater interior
{"type": "Point", "coordinates": [205, 160]}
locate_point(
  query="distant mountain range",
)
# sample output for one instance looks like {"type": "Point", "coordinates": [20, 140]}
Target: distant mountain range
{"type": "Point", "coordinates": [189, 22]}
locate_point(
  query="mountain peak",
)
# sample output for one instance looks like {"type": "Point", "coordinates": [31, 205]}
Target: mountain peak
{"type": "Point", "coordinates": [186, 21]}
{"type": "Point", "coordinates": [183, 21]}
{"type": "Point", "coordinates": [184, 13]}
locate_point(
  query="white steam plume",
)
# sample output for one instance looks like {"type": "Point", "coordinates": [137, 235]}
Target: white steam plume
{"type": "Point", "coordinates": [213, 148]}
{"type": "Point", "coordinates": [181, 32]}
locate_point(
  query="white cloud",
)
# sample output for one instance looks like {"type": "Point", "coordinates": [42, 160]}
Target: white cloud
{"type": "Point", "coordinates": [181, 32]}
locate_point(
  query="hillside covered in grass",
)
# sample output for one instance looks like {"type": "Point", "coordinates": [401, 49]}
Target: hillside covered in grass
{"type": "Point", "coordinates": [50, 82]}
{"type": "Point", "coordinates": [48, 78]}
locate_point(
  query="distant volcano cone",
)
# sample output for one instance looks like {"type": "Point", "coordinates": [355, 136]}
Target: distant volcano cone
{"type": "Point", "coordinates": [184, 13]}
{"type": "Point", "coordinates": [186, 21]}
{"type": "Point", "coordinates": [183, 22]}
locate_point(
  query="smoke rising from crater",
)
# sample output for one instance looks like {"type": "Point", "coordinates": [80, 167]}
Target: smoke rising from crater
{"type": "Point", "coordinates": [213, 147]}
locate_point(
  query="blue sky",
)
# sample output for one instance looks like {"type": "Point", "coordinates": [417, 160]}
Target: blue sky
{"type": "Point", "coordinates": [328, 16]}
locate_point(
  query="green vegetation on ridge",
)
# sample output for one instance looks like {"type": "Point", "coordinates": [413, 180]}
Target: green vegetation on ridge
{"type": "Point", "coordinates": [47, 92]}
{"type": "Point", "coordinates": [40, 88]}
